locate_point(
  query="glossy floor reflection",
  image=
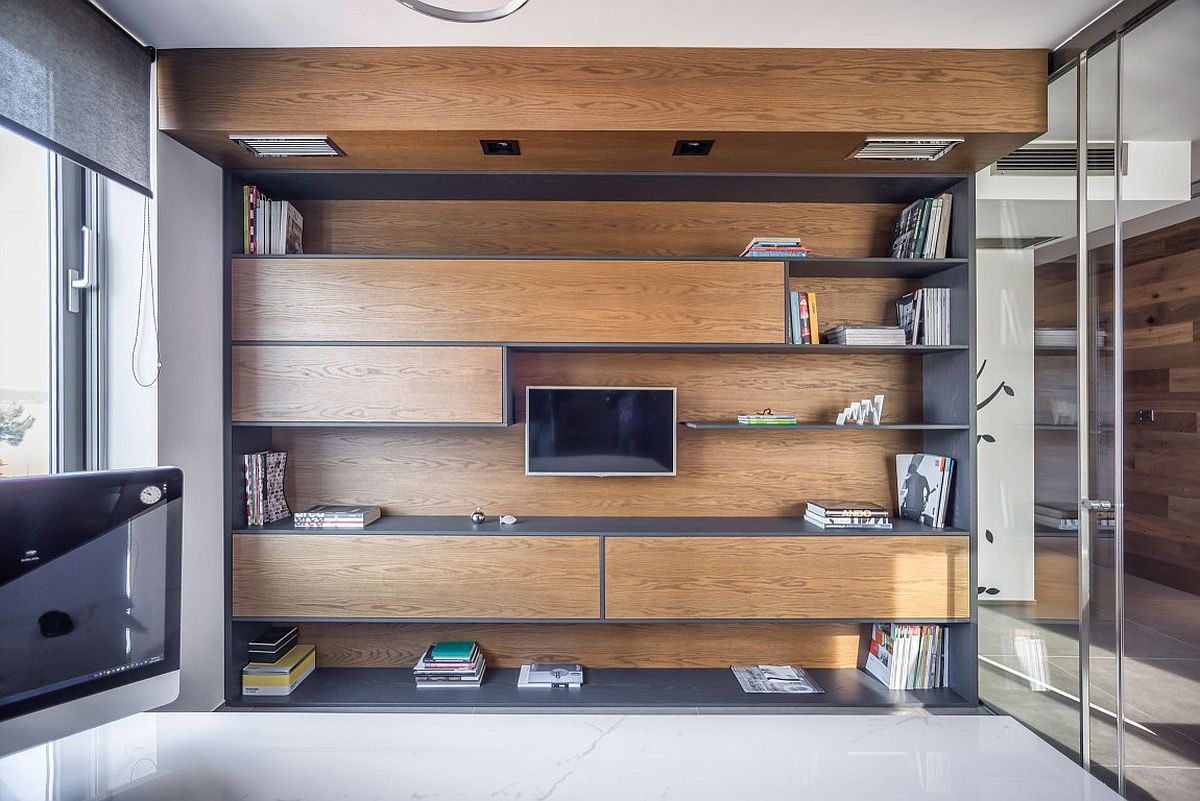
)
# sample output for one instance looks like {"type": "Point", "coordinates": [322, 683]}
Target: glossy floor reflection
{"type": "Point", "coordinates": [1162, 686]}
{"type": "Point", "coordinates": [331, 756]}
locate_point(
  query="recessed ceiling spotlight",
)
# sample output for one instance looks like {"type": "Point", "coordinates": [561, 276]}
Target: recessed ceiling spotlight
{"type": "Point", "coordinates": [692, 147]}
{"type": "Point", "coordinates": [500, 147]}
{"type": "Point", "coordinates": [454, 15]}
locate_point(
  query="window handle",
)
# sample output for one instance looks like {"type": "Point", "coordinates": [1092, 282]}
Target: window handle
{"type": "Point", "coordinates": [82, 282]}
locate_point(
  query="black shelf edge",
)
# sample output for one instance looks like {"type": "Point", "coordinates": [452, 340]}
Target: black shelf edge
{"type": "Point", "coordinates": [351, 424]}
{"type": "Point", "coordinates": [619, 347]}
{"type": "Point", "coordinates": [593, 621]}
{"type": "Point", "coordinates": [460, 525]}
{"type": "Point", "coordinates": [641, 688]}
{"type": "Point", "coordinates": [716, 425]}
{"type": "Point", "coordinates": [691, 186]}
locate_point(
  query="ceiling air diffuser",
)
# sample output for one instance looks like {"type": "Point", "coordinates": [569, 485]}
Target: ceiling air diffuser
{"type": "Point", "coordinates": [886, 148]}
{"type": "Point", "coordinates": [280, 146]}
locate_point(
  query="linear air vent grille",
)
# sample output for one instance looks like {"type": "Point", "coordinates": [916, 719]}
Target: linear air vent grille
{"type": "Point", "coordinates": [1057, 159]}
{"type": "Point", "coordinates": [279, 146]}
{"type": "Point", "coordinates": [900, 149]}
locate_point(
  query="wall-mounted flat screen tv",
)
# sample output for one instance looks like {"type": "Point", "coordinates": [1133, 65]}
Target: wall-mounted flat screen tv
{"type": "Point", "coordinates": [600, 431]}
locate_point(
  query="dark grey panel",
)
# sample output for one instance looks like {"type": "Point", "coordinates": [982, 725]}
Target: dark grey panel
{"type": "Point", "coordinates": [602, 526]}
{"type": "Point", "coordinates": [599, 186]}
{"type": "Point", "coordinates": [638, 347]}
{"type": "Point", "coordinates": [77, 84]}
{"type": "Point", "coordinates": [644, 688]}
{"type": "Point", "coordinates": [725, 426]}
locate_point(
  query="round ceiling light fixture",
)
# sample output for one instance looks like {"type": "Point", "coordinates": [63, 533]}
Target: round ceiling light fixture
{"type": "Point", "coordinates": [453, 15]}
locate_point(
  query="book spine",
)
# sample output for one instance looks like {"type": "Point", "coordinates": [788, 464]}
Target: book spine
{"type": "Point", "coordinates": [814, 324]}
{"type": "Point", "coordinates": [794, 301]}
{"type": "Point", "coordinates": [805, 320]}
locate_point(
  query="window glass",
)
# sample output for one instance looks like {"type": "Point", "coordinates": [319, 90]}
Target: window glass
{"type": "Point", "coordinates": [25, 324]}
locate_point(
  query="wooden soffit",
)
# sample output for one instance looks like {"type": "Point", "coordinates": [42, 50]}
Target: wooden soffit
{"type": "Point", "coordinates": [604, 108]}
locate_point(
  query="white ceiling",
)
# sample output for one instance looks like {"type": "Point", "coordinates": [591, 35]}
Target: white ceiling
{"type": "Point", "coordinates": [611, 23]}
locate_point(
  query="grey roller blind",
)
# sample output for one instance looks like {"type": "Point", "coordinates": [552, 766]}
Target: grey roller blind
{"type": "Point", "coordinates": [73, 81]}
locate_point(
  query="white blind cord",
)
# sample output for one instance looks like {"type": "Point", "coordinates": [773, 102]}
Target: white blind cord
{"type": "Point", "coordinates": [147, 276]}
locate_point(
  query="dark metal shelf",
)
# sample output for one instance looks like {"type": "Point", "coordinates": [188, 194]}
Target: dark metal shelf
{"type": "Point", "coordinates": [604, 688]}
{"type": "Point", "coordinates": [727, 426]}
{"type": "Point", "coordinates": [635, 347]}
{"type": "Point", "coordinates": [605, 527]}
{"type": "Point", "coordinates": [364, 424]}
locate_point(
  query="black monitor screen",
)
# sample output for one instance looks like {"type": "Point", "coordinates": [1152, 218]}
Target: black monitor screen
{"type": "Point", "coordinates": [600, 431]}
{"type": "Point", "coordinates": [89, 583]}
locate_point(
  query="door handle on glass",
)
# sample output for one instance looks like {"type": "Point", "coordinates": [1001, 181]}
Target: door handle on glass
{"type": "Point", "coordinates": [82, 282]}
{"type": "Point", "coordinates": [1090, 505]}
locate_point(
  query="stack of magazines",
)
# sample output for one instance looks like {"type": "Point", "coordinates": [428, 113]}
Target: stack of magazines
{"type": "Point", "coordinates": [771, 247]}
{"type": "Point", "coordinates": [329, 516]}
{"type": "Point", "coordinates": [908, 657]}
{"type": "Point", "coordinates": [451, 664]}
{"type": "Point", "coordinates": [925, 316]}
{"type": "Point", "coordinates": [767, 419]}
{"type": "Point", "coordinates": [865, 335]}
{"type": "Point", "coordinates": [847, 514]}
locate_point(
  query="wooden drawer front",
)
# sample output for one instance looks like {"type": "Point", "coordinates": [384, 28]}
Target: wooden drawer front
{"type": "Point", "coordinates": [409, 300]}
{"type": "Point", "coordinates": [364, 384]}
{"type": "Point", "coordinates": [415, 576]}
{"type": "Point", "coordinates": [868, 577]}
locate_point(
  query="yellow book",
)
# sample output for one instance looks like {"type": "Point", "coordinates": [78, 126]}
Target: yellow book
{"type": "Point", "coordinates": [279, 683]}
{"type": "Point", "coordinates": [812, 318]}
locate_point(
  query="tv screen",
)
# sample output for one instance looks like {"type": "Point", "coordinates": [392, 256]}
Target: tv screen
{"type": "Point", "coordinates": [600, 431]}
{"type": "Point", "coordinates": [89, 584]}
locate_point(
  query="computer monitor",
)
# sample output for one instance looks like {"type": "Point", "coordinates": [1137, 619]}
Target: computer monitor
{"type": "Point", "coordinates": [89, 600]}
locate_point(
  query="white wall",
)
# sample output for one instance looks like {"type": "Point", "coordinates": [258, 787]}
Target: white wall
{"type": "Point", "coordinates": [190, 403]}
{"type": "Point", "coordinates": [132, 422]}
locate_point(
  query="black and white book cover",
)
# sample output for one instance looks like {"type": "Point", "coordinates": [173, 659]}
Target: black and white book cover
{"type": "Point", "coordinates": [922, 480]}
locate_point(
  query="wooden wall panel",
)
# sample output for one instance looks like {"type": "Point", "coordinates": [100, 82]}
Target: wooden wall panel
{"type": "Point", "coordinates": [611, 228]}
{"type": "Point", "coordinates": [723, 473]}
{"type": "Point", "coordinates": [507, 301]}
{"type": "Point", "coordinates": [367, 384]}
{"type": "Point", "coordinates": [349, 575]}
{"type": "Point", "coordinates": [889, 576]}
{"type": "Point", "coordinates": [681, 91]}
{"type": "Point", "coordinates": [596, 645]}
{"type": "Point", "coordinates": [1162, 470]}
{"type": "Point", "coordinates": [719, 386]}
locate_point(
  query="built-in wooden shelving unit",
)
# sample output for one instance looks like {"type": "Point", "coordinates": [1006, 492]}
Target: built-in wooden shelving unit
{"type": "Point", "coordinates": [391, 361]}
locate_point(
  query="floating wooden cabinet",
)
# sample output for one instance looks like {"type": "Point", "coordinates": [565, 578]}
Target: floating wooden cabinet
{"type": "Point", "coordinates": [364, 384]}
{"type": "Point", "coordinates": [461, 300]}
{"type": "Point", "coordinates": [415, 576]}
{"type": "Point", "coordinates": [853, 577]}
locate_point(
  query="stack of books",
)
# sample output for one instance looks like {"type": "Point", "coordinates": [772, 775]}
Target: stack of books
{"type": "Point", "coordinates": [908, 657]}
{"type": "Point", "coordinates": [1066, 518]}
{"type": "Point", "coordinates": [923, 486]}
{"type": "Point", "coordinates": [865, 335]}
{"type": "Point", "coordinates": [282, 676]}
{"type": "Point", "coordinates": [330, 516]}
{"type": "Point", "coordinates": [270, 227]}
{"type": "Point", "coordinates": [271, 646]}
{"type": "Point", "coordinates": [456, 663]}
{"type": "Point", "coordinates": [767, 419]}
{"type": "Point", "coordinates": [804, 325]}
{"type": "Point", "coordinates": [923, 229]}
{"type": "Point", "coordinates": [847, 514]}
{"type": "Point", "coordinates": [925, 316]}
{"type": "Point", "coordinates": [773, 247]}
{"type": "Point", "coordinates": [265, 501]}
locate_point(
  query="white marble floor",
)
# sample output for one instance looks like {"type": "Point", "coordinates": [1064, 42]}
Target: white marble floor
{"type": "Point", "coordinates": [435, 757]}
